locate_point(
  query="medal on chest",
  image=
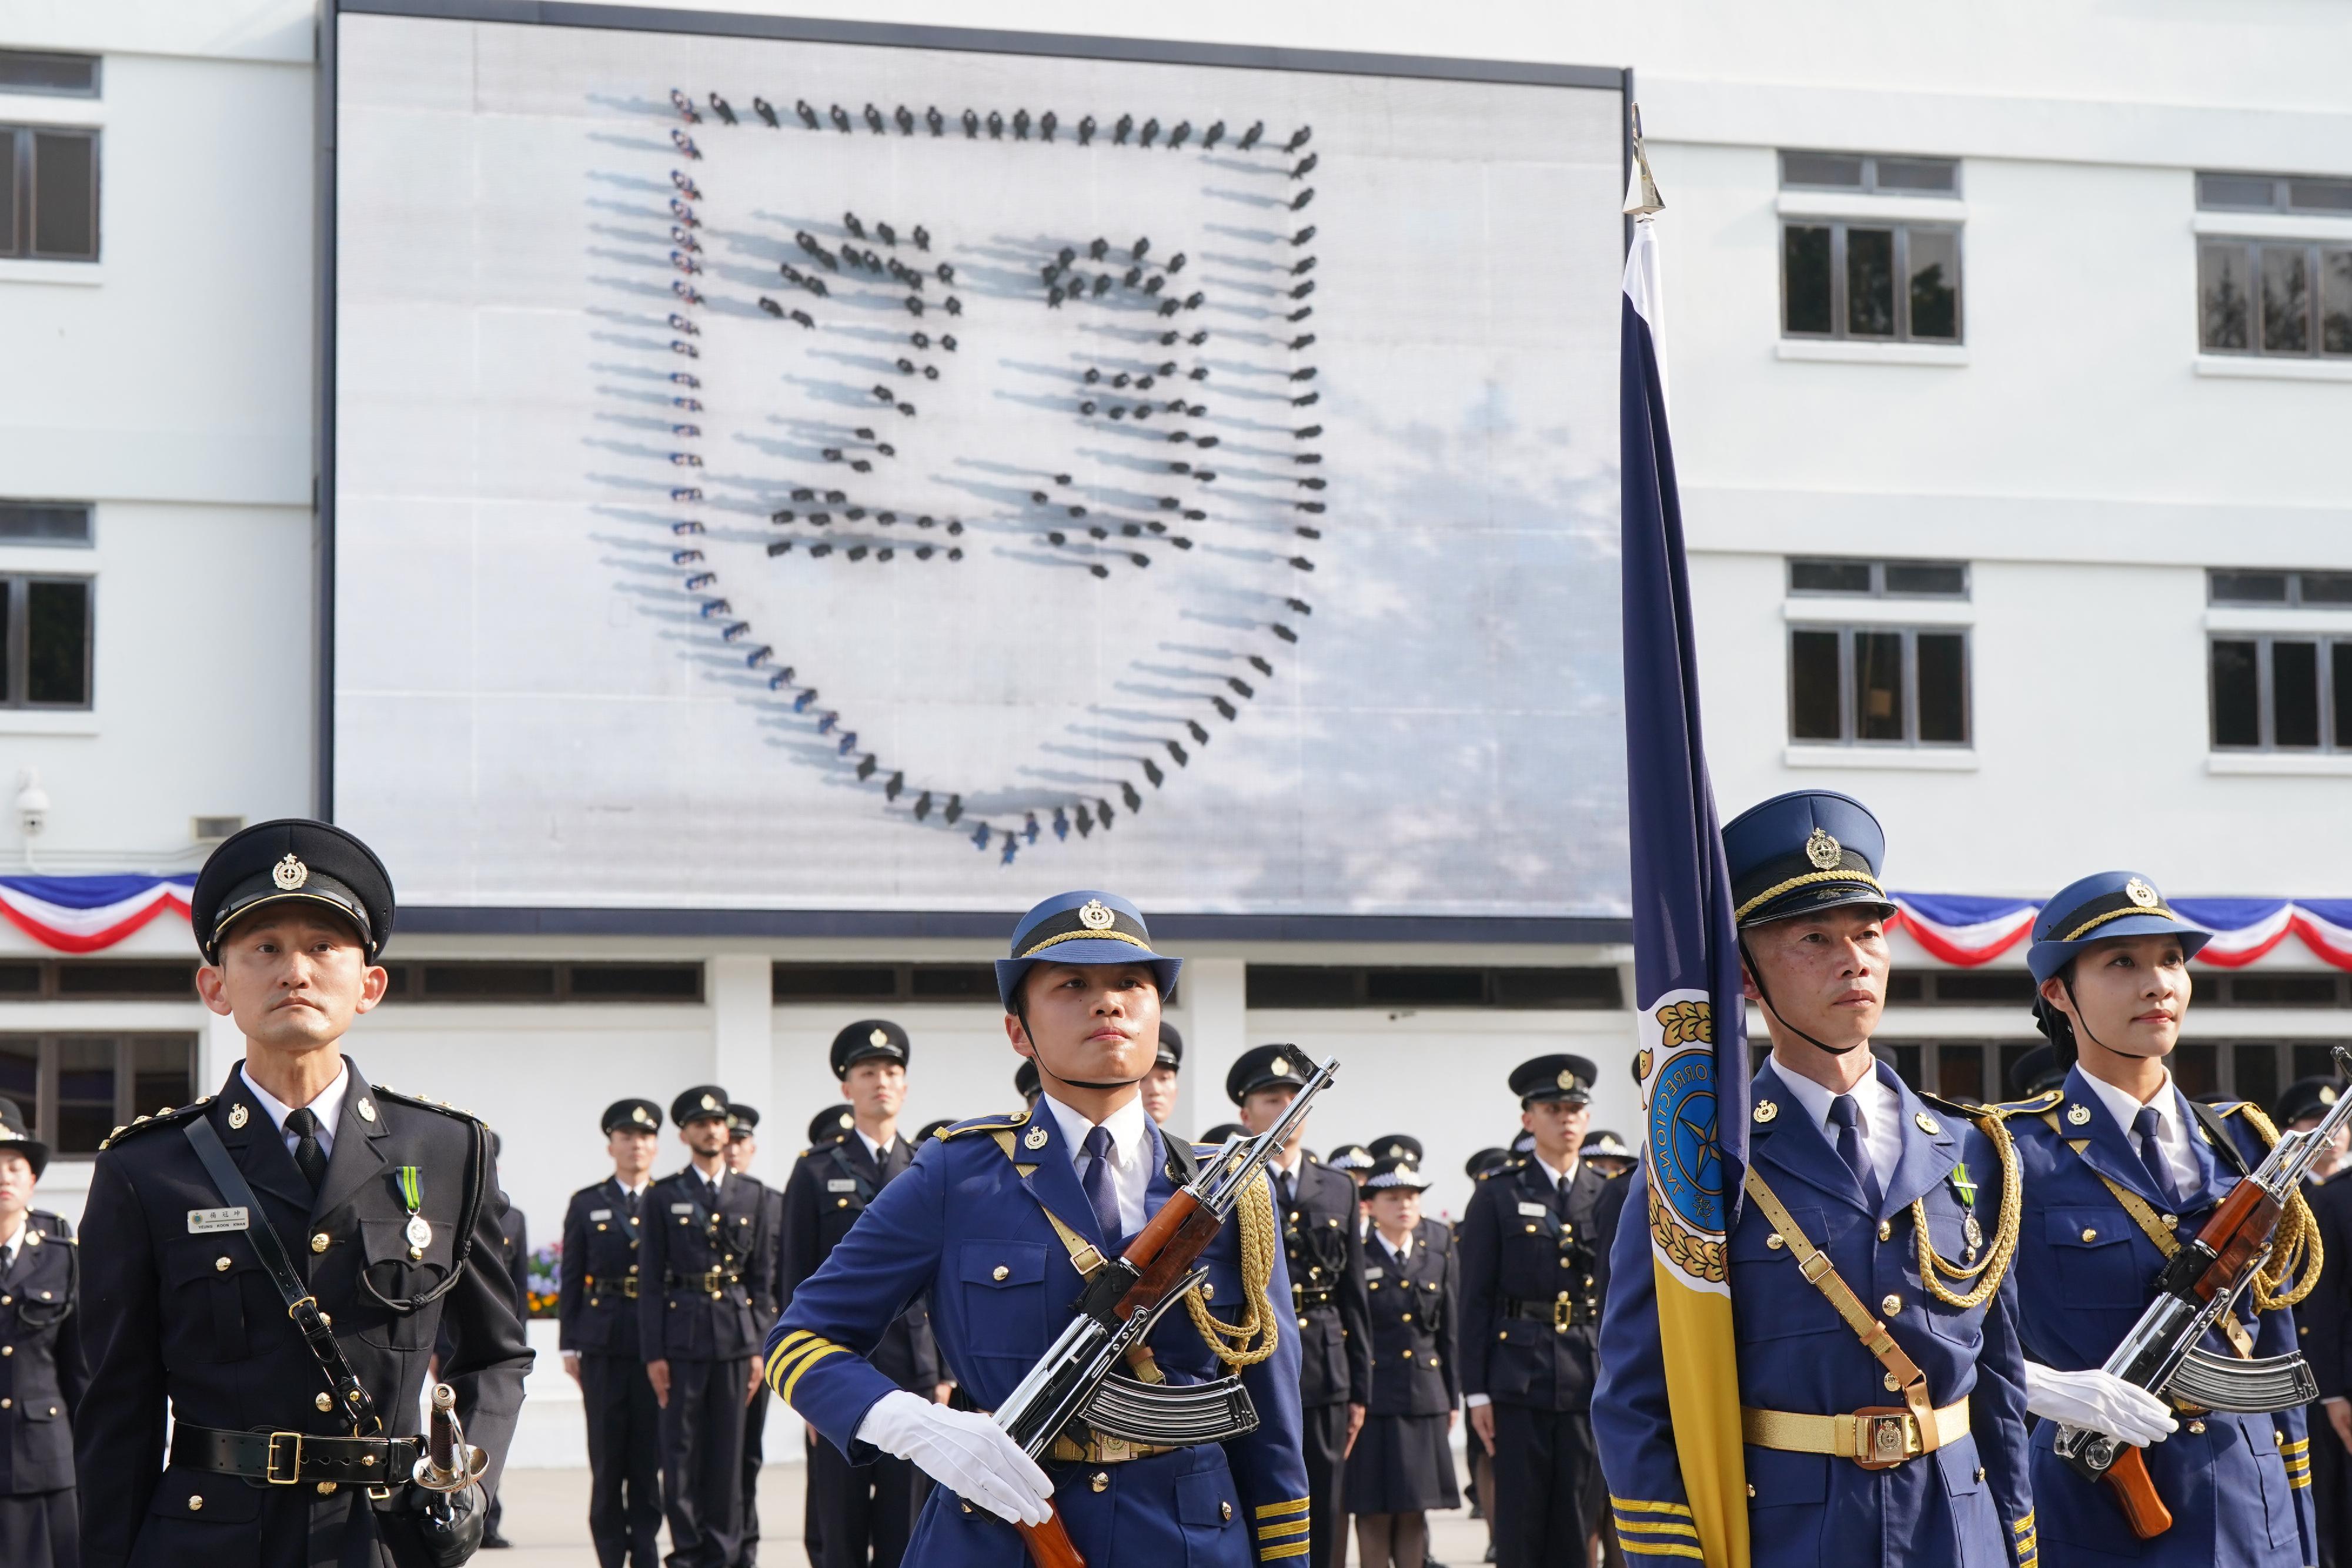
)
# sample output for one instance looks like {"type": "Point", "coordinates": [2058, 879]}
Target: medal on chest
{"type": "Point", "coordinates": [412, 1194]}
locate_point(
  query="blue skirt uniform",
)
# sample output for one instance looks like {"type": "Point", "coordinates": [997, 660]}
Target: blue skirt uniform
{"type": "Point", "coordinates": [967, 1224]}
{"type": "Point", "coordinates": [2238, 1486]}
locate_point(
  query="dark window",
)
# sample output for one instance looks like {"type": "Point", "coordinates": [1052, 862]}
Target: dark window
{"type": "Point", "coordinates": [2274, 298]}
{"type": "Point", "coordinates": [1870, 171]}
{"type": "Point", "coordinates": [1877, 686]}
{"type": "Point", "coordinates": [1833, 577]}
{"type": "Point", "coordinates": [635, 982]}
{"type": "Point", "coordinates": [2294, 694]}
{"type": "Point", "coordinates": [487, 982]}
{"type": "Point", "coordinates": [76, 1089]}
{"type": "Point", "coordinates": [1879, 579]}
{"type": "Point", "coordinates": [2313, 1062]}
{"type": "Point", "coordinates": [2223, 586]}
{"type": "Point", "coordinates": [45, 522]}
{"type": "Point", "coordinates": [2325, 586]}
{"type": "Point", "coordinates": [1557, 989]}
{"type": "Point", "coordinates": [20, 979]}
{"type": "Point", "coordinates": [1272, 986]}
{"type": "Point", "coordinates": [1905, 1059]}
{"type": "Point", "coordinates": [1924, 176]}
{"type": "Point", "coordinates": [2197, 1069]}
{"type": "Point", "coordinates": [835, 982]}
{"type": "Point", "coordinates": [1823, 171]}
{"type": "Point", "coordinates": [50, 190]}
{"type": "Point", "coordinates": [1425, 987]}
{"type": "Point", "coordinates": [2283, 991]}
{"type": "Point", "coordinates": [1961, 1072]}
{"type": "Point", "coordinates": [465, 983]}
{"type": "Point", "coordinates": [1985, 987]}
{"type": "Point", "coordinates": [145, 980]}
{"type": "Point", "coordinates": [953, 983]}
{"type": "Point", "coordinates": [2255, 1073]}
{"type": "Point", "coordinates": [64, 75]}
{"type": "Point", "coordinates": [45, 641]}
{"type": "Point", "coordinates": [2283, 693]}
{"type": "Point", "coordinates": [1870, 281]}
{"type": "Point", "coordinates": [2275, 192]}
{"type": "Point", "coordinates": [1905, 986]}
{"type": "Point", "coordinates": [2237, 692]}
{"type": "Point", "coordinates": [1298, 986]}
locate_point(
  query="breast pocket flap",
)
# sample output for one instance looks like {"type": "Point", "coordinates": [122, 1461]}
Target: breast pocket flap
{"type": "Point", "coordinates": [1003, 1264]}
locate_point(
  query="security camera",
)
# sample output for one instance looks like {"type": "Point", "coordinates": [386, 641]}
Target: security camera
{"type": "Point", "coordinates": [32, 805]}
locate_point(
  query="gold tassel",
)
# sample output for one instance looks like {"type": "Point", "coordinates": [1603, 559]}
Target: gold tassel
{"type": "Point", "coordinates": [1989, 1273]}
{"type": "Point", "coordinates": [1256, 1216]}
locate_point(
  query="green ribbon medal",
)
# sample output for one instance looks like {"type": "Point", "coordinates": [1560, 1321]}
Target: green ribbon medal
{"type": "Point", "coordinates": [1963, 1185]}
{"type": "Point", "coordinates": [412, 1193]}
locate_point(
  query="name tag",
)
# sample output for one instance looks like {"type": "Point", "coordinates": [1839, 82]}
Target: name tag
{"type": "Point", "coordinates": [600, 1214]}
{"type": "Point", "coordinates": [1533, 1210]}
{"type": "Point", "coordinates": [1375, 1273]}
{"type": "Point", "coordinates": [681, 1209]}
{"type": "Point", "coordinates": [841, 1185]}
{"type": "Point", "coordinates": [206, 1221]}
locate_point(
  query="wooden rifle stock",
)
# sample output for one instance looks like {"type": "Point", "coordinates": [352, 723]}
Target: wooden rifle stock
{"type": "Point", "coordinates": [2135, 1494]}
{"type": "Point", "coordinates": [1050, 1546]}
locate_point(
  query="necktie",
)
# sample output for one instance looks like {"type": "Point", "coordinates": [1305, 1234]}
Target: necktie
{"type": "Point", "coordinates": [1562, 1191]}
{"type": "Point", "coordinates": [1097, 1184]}
{"type": "Point", "coordinates": [304, 1124]}
{"type": "Point", "coordinates": [2159, 1170]}
{"type": "Point", "coordinates": [1846, 1117]}
{"type": "Point", "coordinates": [711, 1187]}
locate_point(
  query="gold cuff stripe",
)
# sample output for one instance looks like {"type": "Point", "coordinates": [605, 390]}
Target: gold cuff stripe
{"type": "Point", "coordinates": [1808, 879]}
{"type": "Point", "coordinates": [784, 1345]}
{"type": "Point", "coordinates": [2295, 1483]}
{"type": "Point", "coordinates": [1087, 936]}
{"type": "Point", "coordinates": [1661, 1549]}
{"type": "Point", "coordinates": [2098, 920]}
{"type": "Point", "coordinates": [799, 1355]}
{"type": "Point", "coordinates": [786, 1393]}
{"type": "Point", "coordinates": [1653, 1527]}
{"type": "Point", "coordinates": [2023, 1526]}
{"type": "Point", "coordinates": [1287, 1527]}
{"type": "Point", "coordinates": [2298, 1445]}
{"type": "Point", "coordinates": [1291, 1549]}
{"type": "Point", "coordinates": [1277, 1509]}
{"type": "Point", "coordinates": [788, 1353]}
{"type": "Point", "coordinates": [1681, 1510]}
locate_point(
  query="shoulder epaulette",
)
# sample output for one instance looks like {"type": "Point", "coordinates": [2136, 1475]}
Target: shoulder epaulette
{"type": "Point", "coordinates": [167, 1117]}
{"type": "Point", "coordinates": [1491, 1172]}
{"type": "Point", "coordinates": [383, 1091]}
{"type": "Point", "coordinates": [998, 1124]}
{"type": "Point", "coordinates": [2033, 1105]}
{"type": "Point", "coordinates": [2230, 1107]}
{"type": "Point", "coordinates": [41, 1222]}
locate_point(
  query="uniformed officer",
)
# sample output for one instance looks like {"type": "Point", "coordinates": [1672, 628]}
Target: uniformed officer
{"type": "Point", "coordinates": [865, 1512]}
{"type": "Point", "coordinates": [767, 1300]}
{"type": "Point", "coordinates": [1160, 1089]}
{"type": "Point", "coordinates": [1402, 1464]}
{"type": "Point", "coordinates": [1351, 1160]}
{"type": "Point", "coordinates": [41, 1370]}
{"type": "Point", "coordinates": [830, 1125]}
{"type": "Point", "coordinates": [1481, 1490]}
{"type": "Point", "coordinates": [2120, 1168]}
{"type": "Point", "coordinates": [1881, 1382]}
{"type": "Point", "coordinates": [996, 1219]}
{"type": "Point", "coordinates": [2322, 1318]}
{"type": "Point", "coordinates": [698, 1330]}
{"type": "Point", "coordinates": [300, 1200]}
{"type": "Point", "coordinates": [596, 1307]}
{"type": "Point", "coordinates": [1535, 1247]}
{"type": "Point", "coordinates": [1608, 1153]}
{"type": "Point", "coordinates": [1324, 1246]}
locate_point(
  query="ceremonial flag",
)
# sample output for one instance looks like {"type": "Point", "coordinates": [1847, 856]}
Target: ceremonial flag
{"type": "Point", "coordinates": [1691, 1060]}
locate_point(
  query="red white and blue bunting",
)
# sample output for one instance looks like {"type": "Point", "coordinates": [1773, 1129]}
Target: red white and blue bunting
{"type": "Point", "coordinates": [1967, 931]}
{"type": "Point", "coordinates": [86, 913]}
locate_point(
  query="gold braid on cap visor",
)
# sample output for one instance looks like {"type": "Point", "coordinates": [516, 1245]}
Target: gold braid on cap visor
{"type": "Point", "coordinates": [1842, 874]}
{"type": "Point", "coordinates": [2161, 910]}
{"type": "Point", "coordinates": [1105, 936]}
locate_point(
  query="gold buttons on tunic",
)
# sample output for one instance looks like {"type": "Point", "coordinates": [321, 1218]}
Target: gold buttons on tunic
{"type": "Point", "coordinates": [1000, 1273]}
{"type": "Point", "coordinates": [1208, 1291]}
{"type": "Point", "coordinates": [1100, 1480]}
{"type": "Point", "coordinates": [1751, 1489]}
{"type": "Point", "coordinates": [1408, 1317]}
{"type": "Point", "coordinates": [2090, 1233]}
{"type": "Point", "coordinates": [221, 1264]}
{"type": "Point", "coordinates": [326, 1488]}
{"type": "Point", "coordinates": [1773, 1241]}
{"type": "Point", "coordinates": [1891, 1305]}
{"type": "Point", "coordinates": [1225, 1512]}
{"type": "Point", "coordinates": [7, 1350]}
{"type": "Point", "coordinates": [1893, 1383]}
{"type": "Point", "coordinates": [196, 1502]}
{"type": "Point", "coordinates": [324, 1402]}
{"type": "Point", "coordinates": [319, 1242]}
{"type": "Point", "coordinates": [2197, 1426]}
{"type": "Point", "coordinates": [1886, 1231]}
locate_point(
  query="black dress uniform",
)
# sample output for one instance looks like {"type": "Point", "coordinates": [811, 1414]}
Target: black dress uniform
{"type": "Point", "coordinates": [1323, 1244]}
{"type": "Point", "coordinates": [597, 1309]}
{"type": "Point", "coordinates": [514, 1253]}
{"type": "Point", "coordinates": [697, 1265]}
{"type": "Point", "coordinates": [41, 1378]}
{"type": "Point", "coordinates": [767, 1276]}
{"type": "Point", "coordinates": [828, 1125]}
{"type": "Point", "coordinates": [1404, 1461]}
{"type": "Point", "coordinates": [180, 1317]}
{"type": "Point", "coordinates": [864, 1512]}
{"type": "Point", "coordinates": [1533, 1263]}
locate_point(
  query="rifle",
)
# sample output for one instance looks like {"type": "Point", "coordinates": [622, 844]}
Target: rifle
{"type": "Point", "coordinates": [1076, 1381]}
{"type": "Point", "coordinates": [2198, 1286]}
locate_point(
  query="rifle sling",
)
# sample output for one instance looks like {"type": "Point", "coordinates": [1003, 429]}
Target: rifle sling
{"type": "Point", "coordinates": [1814, 1265]}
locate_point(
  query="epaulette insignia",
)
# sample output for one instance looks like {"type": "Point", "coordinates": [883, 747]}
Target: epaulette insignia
{"type": "Point", "coordinates": [2231, 1107]}
{"type": "Point", "coordinates": [422, 1103]}
{"type": "Point", "coordinates": [985, 1125]}
{"type": "Point", "coordinates": [2028, 1107]}
{"type": "Point", "coordinates": [165, 1118]}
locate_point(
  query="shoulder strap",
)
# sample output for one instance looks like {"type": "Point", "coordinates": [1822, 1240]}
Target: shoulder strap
{"type": "Point", "coordinates": [302, 1306]}
{"type": "Point", "coordinates": [2219, 1131]}
{"type": "Point", "coordinates": [1814, 1265]}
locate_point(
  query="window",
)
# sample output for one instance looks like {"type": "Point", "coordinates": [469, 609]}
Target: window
{"type": "Point", "coordinates": [1873, 173]}
{"type": "Point", "coordinates": [49, 193]}
{"type": "Point", "coordinates": [44, 636]}
{"type": "Point", "coordinates": [1879, 579]}
{"type": "Point", "coordinates": [75, 1089]}
{"type": "Point", "coordinates": [2316, 194]}
{"type": "Point", "coordinates": [45, 522]}
{"type": "Point", "coordinates": [1878, 685]}
{"type": "Point", "coordinates": [2275, 297]}
{"type": "Point", "coordinates": [1868, 280]}
{"type": "Point", "coordinates": [63, 76]}
{"type": "Point", "coordinates": [432, 981]}
{"type": "Point", "coordinates": [1338, 985]}
{"type": "Point", "coordinates": [2281, 694]}
{"type": "Point", "coordinates": [2291, 589]}
{"type": "Point", "coordinates": [884, 983]}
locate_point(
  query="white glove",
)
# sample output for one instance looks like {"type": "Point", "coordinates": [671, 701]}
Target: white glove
{"type": "Point", "coordinates": [2100, 1401]}
{"type": "Point", "coordinates": [969, 1455]}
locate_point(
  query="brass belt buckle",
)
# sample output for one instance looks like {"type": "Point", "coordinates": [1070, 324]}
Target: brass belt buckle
{"type": "Point", "coordinates": [1563, 1313]}
{"type": "Point", "coordinates": [1884, 1435]}
{"type": "Point", "coordinates": [629, 1286]}
{"type": "Point", "coordinates": [269, 1460]}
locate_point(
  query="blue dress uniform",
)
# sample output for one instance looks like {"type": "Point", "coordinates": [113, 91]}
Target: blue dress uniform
{"type": "Point", "coordinates": [1403, 1458]}
{"type": "Point", "coordinates": [699, 1264]}
{"type": "Point", "coordinates": [42, 1376]}
{"type": "Point", "coordinates": [1967, 1503]}
{"type": "Point", "coordinates": [968, 1224]}
{"type": "Point", "coordinates": [596, 1307]}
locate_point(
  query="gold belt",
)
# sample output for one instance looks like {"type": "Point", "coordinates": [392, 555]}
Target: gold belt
{"type": "Point", "coordinates": [1876, 1439]}
{"type": "Point", "coordinates": [1097, 1450]}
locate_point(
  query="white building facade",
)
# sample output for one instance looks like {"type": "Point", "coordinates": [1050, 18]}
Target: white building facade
{"type": "Point", "coordinates": [2007, 515]}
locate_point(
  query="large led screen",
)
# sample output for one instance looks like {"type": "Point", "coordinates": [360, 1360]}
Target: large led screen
{"type": "Point", "coordinates": [773, 474]}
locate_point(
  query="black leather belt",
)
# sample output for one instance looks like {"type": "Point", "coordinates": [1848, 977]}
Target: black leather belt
{"type": "Point", "coordinates": [627, 1284]}
{"type": "Point", "coordinates": [710, 1279]}
{"type": "Point", "coordinates": [288, 1459]}
{"type": "Point", "coordinates": [1303, 1300]}
{"type": "Point", "coordinates": [1563, 1311]}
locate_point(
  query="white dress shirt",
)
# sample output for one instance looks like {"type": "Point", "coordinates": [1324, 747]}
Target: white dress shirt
{"type": "Point", "coordinates": [14, 1245]}
{"type": "Point", "coordinates": [1130, 1173]}
{"type": "Point", "coordinates": [1404, 1249]}
{"type": "Point", "coordinates": [1880, 1121]}
{"type": "Point", "coordinates": [327, 1107]}
{"type": "Point", "coordinates": [2171, 1128]}
{"type": "Point", "coordinates": [1558, 1173]}
{"type": "Point", "coordinates": [879, 1150]}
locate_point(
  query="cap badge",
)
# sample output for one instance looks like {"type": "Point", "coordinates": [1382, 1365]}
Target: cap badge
{"type": "Point", "coordinates": [1036, 1139]}
{"type": "Point", "coordinates": [2326, 1095]}
{"type": "Point", "coordinates": [845, 1120]}
{"type": "Point", "coordinates": [1567, 1079]}
{"type": "Point", "coordinates": [1279, 1067]}
{"type": "Point", "coordinates": [367, 1111]}
{"type": "Point", "coordinates": [1822, 850]}
{"type": "Point", "coordinates": [637, 1114]}
{"type": "Point", "coordinates": [2076, 1115]}
{"type": "Point", "coordinates": [1096, 915]}
{"type": "Point", "coordinates": [710, 1102]}
{"type": "Point", "coordinates": [2139, 893]}
{"type": "Point", "coordinates": [1395, 1151]}
{"type": "Point", "coordinates": [1765, 1111]}
{"type": "Point", "coordinates": [880, 1037]}
{"type": "Point", "coordinates": [289, 873]}
{"type": "Point", "coordinates": [237, 1116]}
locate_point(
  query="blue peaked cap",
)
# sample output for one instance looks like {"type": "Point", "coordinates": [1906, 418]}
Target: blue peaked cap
{"type": "Point", "coordinates": [2106, 903]}
{"type": "Point", "coordinates": [1086, 927]}
{"type": "Point", "coordinates": [1805, 851]}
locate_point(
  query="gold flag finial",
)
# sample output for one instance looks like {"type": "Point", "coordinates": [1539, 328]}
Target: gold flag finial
{"type": "Point", "coordinates": [1642, 198]}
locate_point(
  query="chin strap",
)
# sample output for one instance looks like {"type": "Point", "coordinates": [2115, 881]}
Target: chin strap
{"type": "Point", "coordinates": [1757, 975]}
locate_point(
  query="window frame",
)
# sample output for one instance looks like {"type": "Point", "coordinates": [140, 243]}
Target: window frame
{"type": "Point", "coordinates": [43, 1113]}
{"type": "Point", "coordinates": [16, 586]}
{"type": "Point", "coordinates": [16, 143]}
{"type": "Point", "coordinates": [2265, 694]}
{"type": "Point", "coordinates": [96, 64]}
{"type": "Point", "coordinates": [1878, 589]}
{"type": "Point", "coordinates": [1849, 735]}
{"type": "Point", "coordinates": [2314, 255]}
{"type": "Point", "coordinates": [1869, 186]}
{"type": "Point", "coordinates": [2282, 196]}
{"type": "Point", "coordinates": [1903, 229]}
